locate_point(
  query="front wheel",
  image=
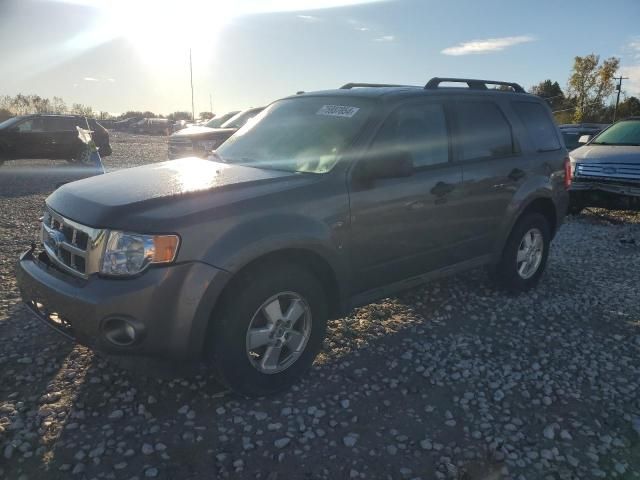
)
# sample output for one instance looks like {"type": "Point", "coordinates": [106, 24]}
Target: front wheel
{"type": "Point", "coordinates": [268, 329]}
{"type": "Point", "coordinates": [525, 255]}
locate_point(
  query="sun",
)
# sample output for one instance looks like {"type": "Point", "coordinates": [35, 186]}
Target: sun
{"type": "Point", "coordinates": [162, 31]}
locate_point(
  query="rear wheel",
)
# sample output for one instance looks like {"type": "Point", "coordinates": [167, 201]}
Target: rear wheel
{"type": "Point", "coordinates": [268, 329]}
{"type": "Point", "coordinates": [525, 255]}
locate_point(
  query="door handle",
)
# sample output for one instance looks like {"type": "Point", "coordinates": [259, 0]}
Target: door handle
{"type": "Point", "coordinates": [516, 174]}
{"type": "Point", "coordinates": [441, 189]}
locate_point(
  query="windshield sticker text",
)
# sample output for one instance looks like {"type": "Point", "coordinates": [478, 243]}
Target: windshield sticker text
{"type": "Point", "coordinates": [338, 111]}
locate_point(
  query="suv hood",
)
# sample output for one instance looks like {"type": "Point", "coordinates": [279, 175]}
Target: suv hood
{"type": "Point", "coordinates": [162, 196]}
{"type": "Point", "coordinates": [607, 154]}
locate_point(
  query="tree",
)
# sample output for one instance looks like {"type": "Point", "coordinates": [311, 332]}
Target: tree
{"type": "Point", "coordinates": [5, 114]}
{"type": "Point", "coordinates": [80, 109]}
{"type": "Point", "coordinates": [58, 105]}
{"type": "Point", "coordinates": [179, 116]}
{"type": "Point", "coordinates": [206, 115]}
{"type": "Point", "coordinates": [630, 107]}
{"type": "Point", "coordinates": [590, 84]}
{"type": "Point", "coordinates": [550, 91]}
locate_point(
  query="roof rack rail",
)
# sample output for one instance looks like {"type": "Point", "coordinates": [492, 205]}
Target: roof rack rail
{"type": "Point", "coordinates": [348, 86]}
{"type": "Point", "coordinates": [472, 83]}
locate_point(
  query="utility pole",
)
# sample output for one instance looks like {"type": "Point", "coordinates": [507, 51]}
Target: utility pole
{"type": "Point", "coordinates": [193, 110]}
{"type": "Point", "coordinates": [619, 89]}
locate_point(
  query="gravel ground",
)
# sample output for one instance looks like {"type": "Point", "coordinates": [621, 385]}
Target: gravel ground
{"type": "Point", "coordinates": [451, 380]}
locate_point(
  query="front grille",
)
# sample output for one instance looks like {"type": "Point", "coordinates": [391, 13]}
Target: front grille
{"type": "Point", "coordinates": [608, 171]}
{"type": "Point", "coordinates": [74, 248]}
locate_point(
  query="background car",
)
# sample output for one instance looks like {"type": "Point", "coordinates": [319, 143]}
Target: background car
{"type": "Point", "coordinates": [606, 170]}
{"type": "Point", "coordinates": [49, 136]}
{"type": "Point", "coordinates": [571, 132]}
{"type": "Point", "coordinates": [199, 141]}
{"type": "Point", "coordinates": [152, 126]}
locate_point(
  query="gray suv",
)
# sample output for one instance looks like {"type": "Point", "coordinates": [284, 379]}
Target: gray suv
{"type": "Point", "coordinates": [327, 201]}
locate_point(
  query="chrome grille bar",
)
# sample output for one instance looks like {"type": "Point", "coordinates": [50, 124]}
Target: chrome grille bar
{"type": "Point", "coordinates": [74, 248]}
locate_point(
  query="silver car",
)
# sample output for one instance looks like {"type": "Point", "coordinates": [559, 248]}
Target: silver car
{"type": "Point", "coordinates": [606, 169]}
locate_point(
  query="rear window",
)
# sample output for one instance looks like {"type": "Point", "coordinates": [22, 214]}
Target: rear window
{"type": "Point", "coordinates": [483, 131]}
{"type": "Point", "coordinates": [538, 124]}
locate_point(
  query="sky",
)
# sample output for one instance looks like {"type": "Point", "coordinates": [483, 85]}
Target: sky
{"type": "Point", "coordinates": [119, 55]}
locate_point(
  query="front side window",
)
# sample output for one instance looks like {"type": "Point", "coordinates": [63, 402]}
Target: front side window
{"type": "Point", "coordinates": [420, 130]}
{"type": "Point", "coordinates": [540, 127]}
{"type": "Point", "coordinates": [304, 134]}
{"type": "Point", "coordinates": [483, 131]}
{"type": "Point", "coordinates": [626, 132]}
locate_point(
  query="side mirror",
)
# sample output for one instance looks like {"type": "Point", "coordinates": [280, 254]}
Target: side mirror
{"type": "Point", "coordinates": [393, 164]}
{"type": "Point", "coordinates": [584, 139]}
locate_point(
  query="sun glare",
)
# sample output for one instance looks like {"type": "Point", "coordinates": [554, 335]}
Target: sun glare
{"type": "Point", "coordinates": [163, 31]}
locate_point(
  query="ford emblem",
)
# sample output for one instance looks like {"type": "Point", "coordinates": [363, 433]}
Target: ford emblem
{"type": "Point", "coordinates": [609, 170]}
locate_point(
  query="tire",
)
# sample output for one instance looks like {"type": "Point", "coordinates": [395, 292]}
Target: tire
{"type": "Point", "coordinates": [243, 307]}
{"type": "Point", "coordinates": [511, 274]}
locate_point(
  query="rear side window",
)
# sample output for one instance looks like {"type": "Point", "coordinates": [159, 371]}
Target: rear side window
{"type": "Point", "coordinates": [421, 130]}
{"type": "Point", "coordinates": [59, 124]}
{"type": "Point", "coordinates": [483, 131]}
{"type": "Point", "coordinates": [537, 122]}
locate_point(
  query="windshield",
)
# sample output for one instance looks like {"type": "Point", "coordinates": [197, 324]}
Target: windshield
{"type": "Point", "coordinates": [622, 133]}
{"type": "Point", "coordinates": [571, 140]}
{"type": "Point", "coordinates": [11, 121]}
{"type": "Point", "coordinates": [238, 120]}
{"type": "Point", "coordinates": [218, 121]}
{"type": "Point", "coordinates": [299, 134]}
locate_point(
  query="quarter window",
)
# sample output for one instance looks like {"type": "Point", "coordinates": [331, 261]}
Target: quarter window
{"type": "Point", "coordinates": [537, 122]}
{"type": "Point", "coordinates": [483, 131]}
{"type": "Point", "coordinates": [420, 130]}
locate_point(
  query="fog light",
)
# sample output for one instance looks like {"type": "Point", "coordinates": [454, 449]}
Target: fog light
{"type": "Point", "coordinates": [119, 331]}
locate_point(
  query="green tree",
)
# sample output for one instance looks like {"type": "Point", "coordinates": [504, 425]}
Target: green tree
{"type": "Point", "coordinates": [206, 115]}
{"type": "Point", "coordinates": [630, 107]}
{"type": "Point", "coordinates": [550, 91]}
{"type": "Point", "coordinates": [590, 83]}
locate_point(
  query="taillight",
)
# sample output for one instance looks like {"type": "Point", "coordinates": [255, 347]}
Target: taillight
{"type": "Point", "coordinates": [567, 173]}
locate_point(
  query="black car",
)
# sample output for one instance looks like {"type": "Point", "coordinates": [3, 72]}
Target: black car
{"type": "Point", "coordinates": [49, 136]}
{"type": "Point", "coordinates": [199, 141]}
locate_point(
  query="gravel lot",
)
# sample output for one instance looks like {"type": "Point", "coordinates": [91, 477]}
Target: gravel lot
{"type": "Point", "coordinates": [451, 380]}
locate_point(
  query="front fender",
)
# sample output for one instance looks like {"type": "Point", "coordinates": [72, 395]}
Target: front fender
{"type": "Point", "coordinates": [249, 241]}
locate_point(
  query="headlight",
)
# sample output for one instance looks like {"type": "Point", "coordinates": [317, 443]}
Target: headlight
{"type": "Point", "coordinates": [206, 145]}
{"type": "Point", "coordinates": [131, 253]}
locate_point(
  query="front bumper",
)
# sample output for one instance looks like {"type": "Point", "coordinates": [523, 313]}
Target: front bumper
{"type": "Point", "coordinates": [605, 194]}
{"type": "Point", "coordinates": [170, 306]}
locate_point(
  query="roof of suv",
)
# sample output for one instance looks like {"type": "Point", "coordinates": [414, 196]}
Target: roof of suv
{"type": "Point", "coordinates": [473, 87]}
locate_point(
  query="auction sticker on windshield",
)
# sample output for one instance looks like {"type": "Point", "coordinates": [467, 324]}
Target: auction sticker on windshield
{"type": "Point", "coordinates": [337, 111]}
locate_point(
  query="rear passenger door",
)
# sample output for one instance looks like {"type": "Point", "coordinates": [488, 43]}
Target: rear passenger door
{"type": "Point", "coordinates": [61, 132]}
{"type": "Point", "coordinates": [402, 227]}
{"type": "Point", "coordinates": [492, 171]}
